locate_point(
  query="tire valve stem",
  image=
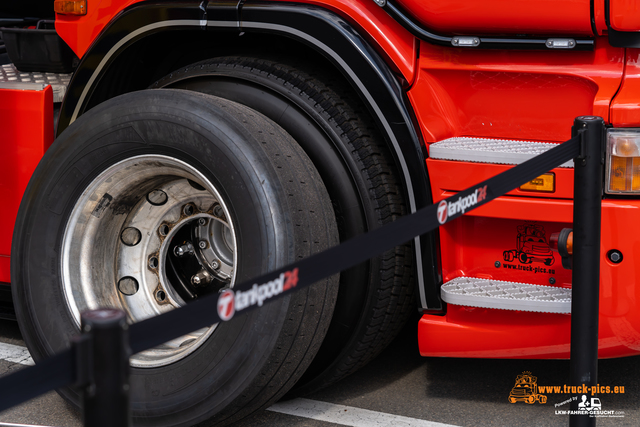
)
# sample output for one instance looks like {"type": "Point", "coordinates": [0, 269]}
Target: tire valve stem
{"type": "Point", "coordinates": [182, 250]}
{"type": "Point", "coordinates": [201, 278]}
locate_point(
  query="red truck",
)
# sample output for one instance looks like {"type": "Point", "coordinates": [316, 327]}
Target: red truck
{"type": "Point", "coordinates": [199, 143]}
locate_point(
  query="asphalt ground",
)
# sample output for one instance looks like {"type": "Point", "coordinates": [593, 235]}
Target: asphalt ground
{"type": "Point", "coordinates": [401, 383]}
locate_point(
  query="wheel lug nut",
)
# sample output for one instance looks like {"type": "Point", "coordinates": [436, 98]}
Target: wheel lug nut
{"type": "Point", "coordinates": [187, 210]}
{"type": "Point", "coordinates": [182, 250]}
{"type": "Point", "coordinates": [130, 236]}
{"type": "Point", "coordinates": [157, 197]}
{"type": "Point", "coordinates": [201, 278]}
{"type": "Point", "coordinates": [217, 211]}
{"type": "Point", "coordinates": [128, 285]}
{"type": "Point", "coordinates": [202, 244]}
{"type": "Point", "coordinates": [153, 262]}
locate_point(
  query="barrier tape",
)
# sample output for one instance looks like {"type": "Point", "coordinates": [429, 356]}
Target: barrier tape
{"type": "Point", "coordinates": [251, 294]}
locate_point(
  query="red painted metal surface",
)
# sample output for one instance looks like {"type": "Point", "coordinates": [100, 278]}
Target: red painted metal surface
{"type": "Point", "coordinates": [624, 15]}
{"type": "Point", "coordinates": [478, 332]}
{"type": "Point", "coordinates": [26, 131]}
{"type": "Point", "coordinates": [599, 14]}
{"type": "Point", "coordinates": [80, 31]}
{"type": "Point", "coordinates": [625, 108]}
{"type": "Point", "coordinates": [451, 176]}
{"type": "Point", "coordinates": [503, 16]}
{"type": "Point", "coordinates": [526, 95]}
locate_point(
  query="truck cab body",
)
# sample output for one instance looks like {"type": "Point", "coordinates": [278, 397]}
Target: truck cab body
{"type": "Point", "coordinates": [447, 94]}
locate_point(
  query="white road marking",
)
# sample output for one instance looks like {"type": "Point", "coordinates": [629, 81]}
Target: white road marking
{"type": "Point", "coordinates": [347, 415]}
{"type": "Point", "coordinates": [15, 354]}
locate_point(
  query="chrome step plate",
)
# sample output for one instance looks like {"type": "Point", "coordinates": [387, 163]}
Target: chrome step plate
{"type": "Point", "coordinates": [484, 150]}
{"type": "Point", "coordinates": [474, 292]}
{"type": "Point", "coordinates": [12, 78]}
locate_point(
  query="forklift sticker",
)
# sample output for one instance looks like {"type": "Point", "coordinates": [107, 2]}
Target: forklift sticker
{"type": "Point", "coordinates": [526, 390]}
{"type": "Point", "coordinates": [531, 246]}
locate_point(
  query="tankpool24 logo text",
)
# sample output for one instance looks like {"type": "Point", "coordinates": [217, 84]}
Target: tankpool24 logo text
{"type": "Point", "coordinates": [449, 209]}
{"type": "Point", "coordinates": [231, 302]}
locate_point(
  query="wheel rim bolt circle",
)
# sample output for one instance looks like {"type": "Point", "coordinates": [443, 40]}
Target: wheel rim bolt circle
{"type": "Point", "coordinates": [157, 197]}
{"type": "Point", "coordinates": [188, 210]}
{"type": "Point", "coordinates": [131, 236]}
{"type": "Point", "coordinates": [163, 229]}
{"type": "Point", "coordinates": [128, 286]}
{"type": "Point", "coordinates": [153, 262]}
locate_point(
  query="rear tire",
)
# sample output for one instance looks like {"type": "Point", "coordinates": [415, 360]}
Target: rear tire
{"type": "Point", "coordinates": [169, 158]}
{"type": "Point", "coordinates": [334, 128]}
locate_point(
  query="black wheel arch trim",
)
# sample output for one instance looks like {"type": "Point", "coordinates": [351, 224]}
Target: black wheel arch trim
{"type": "Point", "coordinates": [318, 28]}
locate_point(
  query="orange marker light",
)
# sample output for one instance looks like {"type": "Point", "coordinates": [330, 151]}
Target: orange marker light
{"type": "Point", "coordinates": [70, 7]}
{"type": "Point", "coordinates": [545, 183]}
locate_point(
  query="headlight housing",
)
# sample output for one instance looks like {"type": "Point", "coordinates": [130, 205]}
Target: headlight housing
{"type": "Point", "coordinates": [623, 161]}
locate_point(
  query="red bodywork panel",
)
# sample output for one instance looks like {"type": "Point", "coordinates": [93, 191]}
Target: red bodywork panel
{"type": "Point", "coordinates": [526, 95]}
{"type": "Point", "coordinates": [503, 16]}
{"type": "Point", "coordinates": [27, 131]}
{"type": "Point", "coordinates": [625, 109]}
{"type": "Point", "coordinates": [477, 332]}
{"type": "Point", "coordinates": [624, 15]}
{"type": "Point", "coordinates": [507, 94]}
{"type": "Point", "coordinates": [80, 31]}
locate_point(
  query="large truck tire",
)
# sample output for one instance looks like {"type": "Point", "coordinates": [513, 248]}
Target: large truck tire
{"type": "Point", "coordinates": [331, 124]}
{"type": "Point", "coordinates": [107, 220]}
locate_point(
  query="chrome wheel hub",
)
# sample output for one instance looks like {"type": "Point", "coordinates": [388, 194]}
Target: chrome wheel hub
{"type": "Point", "coordinates": [149, 234]}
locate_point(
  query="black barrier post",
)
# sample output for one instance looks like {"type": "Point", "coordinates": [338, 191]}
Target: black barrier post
{"type": "Point", "coordinates": [587, 202]}
{"type": "Point", "coordinates": [106, 394]}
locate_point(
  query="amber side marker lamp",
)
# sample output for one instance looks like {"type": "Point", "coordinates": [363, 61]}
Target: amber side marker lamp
{"type": "Point", "coordinates": [623, 161]}
{"type": "Point", "coordinates": [70, 7]}
{"type": "Point", "coordinates": [545, 183]}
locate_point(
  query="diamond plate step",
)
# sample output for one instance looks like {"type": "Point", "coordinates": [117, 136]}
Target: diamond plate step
{"type": "Point", "coordinates": [474, 292]}
{"type": "Point", "coordinates": [484, 150]}
{"type": "Point", "coordinates": [11, 78]}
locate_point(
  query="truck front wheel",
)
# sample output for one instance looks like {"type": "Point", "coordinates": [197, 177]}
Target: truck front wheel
{"type": "Point", "coordinates": [157, 198]}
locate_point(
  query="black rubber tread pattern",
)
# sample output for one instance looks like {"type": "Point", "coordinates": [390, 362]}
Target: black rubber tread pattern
{"type": "Point", "coordinates": [314, 229]}
{"type": "Point", "coordinates": [390, 301]}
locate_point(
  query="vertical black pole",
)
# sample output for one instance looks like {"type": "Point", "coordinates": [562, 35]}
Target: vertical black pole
{"type": "Point", "coordinates": [106, 397]}
{"type": "Point", "coordinates": [587, 201]}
